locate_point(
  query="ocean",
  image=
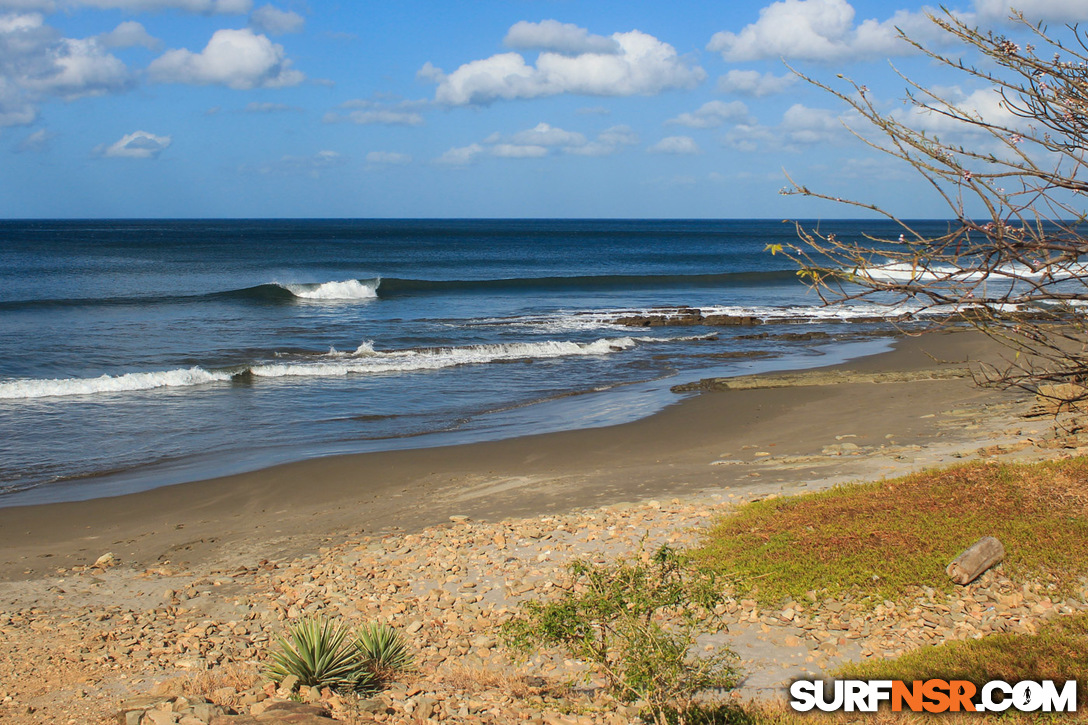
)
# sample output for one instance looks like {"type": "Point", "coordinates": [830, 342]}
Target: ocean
{"type": "Point", "coordinates": [136, 354]}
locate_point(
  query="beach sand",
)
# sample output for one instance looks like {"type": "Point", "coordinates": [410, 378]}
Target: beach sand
{"type": "Point", "coordinates": [884, 415]}
{"type": "Point", "coordinates": [289, 508]}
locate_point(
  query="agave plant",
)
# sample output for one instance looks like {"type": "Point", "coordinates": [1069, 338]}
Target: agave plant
{"type": "Point", "coordinates": [382, 649]}
{"type": "Point", "coordinates": [317, 651]}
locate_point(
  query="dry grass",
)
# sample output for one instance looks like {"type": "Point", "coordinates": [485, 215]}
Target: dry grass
{"type": "Point", "coordinates": [212, 684]}
{"type": "Point", "coordinates": [882, 538]}
{"type": "Point", "coordinates": [472, 680]}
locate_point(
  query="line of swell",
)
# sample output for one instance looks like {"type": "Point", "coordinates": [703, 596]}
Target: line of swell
{"type": "Point", "coordinates": [362, 289]}
{"type": "Point", "coordinates": [394, 286]}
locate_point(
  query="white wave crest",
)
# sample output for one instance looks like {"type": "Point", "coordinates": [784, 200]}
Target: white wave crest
{"type": "Point", "coordinates": [370, 362]}
{"type": "Point", "coordinates": [26, 389]}
{"type": "Point", "coordinates": [365, 349]}
{"type": "Point", "coordinates": [822, 313]}
{"type": "Point", "coordinates": [583, 320]}
{"type": "Point", "coordinates": [904, 272]}
{"type": "Point", "coordinates": [349, 289]}
{"type": "Point", "coordinates": [364, 360]}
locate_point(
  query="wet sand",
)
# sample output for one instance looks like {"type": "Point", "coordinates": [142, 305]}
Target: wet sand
{"type": "Point", "coordinates": [806, 431]}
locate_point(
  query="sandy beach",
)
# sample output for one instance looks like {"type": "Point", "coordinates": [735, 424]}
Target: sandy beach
{"type": "Point", "coordinates": [287, 509]}
{"type": "Point", "coordinates": [372, 535]}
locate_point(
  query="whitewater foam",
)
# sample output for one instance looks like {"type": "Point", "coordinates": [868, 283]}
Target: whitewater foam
{"type": "Point", "coordinates": [129, 382]}
{"type": "Point", "coordinates": [904, 272]}
{"type": "Point", "coordinates": [342, 291]}
{"type": "Point", "coordinates": [369, 361]}
{"type": "Point", "coordinates": [364, 360]}
{"type": "Point", "coordinates": [585, 320]}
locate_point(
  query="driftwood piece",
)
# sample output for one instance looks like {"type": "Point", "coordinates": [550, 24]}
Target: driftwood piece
{"type": "Point", "coordinates": [976, 559]}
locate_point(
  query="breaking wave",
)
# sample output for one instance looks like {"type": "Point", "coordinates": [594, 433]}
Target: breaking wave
{"type": "Point", "coordinates": [364, 360]}
{"type": "Point", "coordinates": [35, 388]}
{"type": "Point", "coordinates": [904, 272]}
{"type": "Point", "coordinates": [349, 289]}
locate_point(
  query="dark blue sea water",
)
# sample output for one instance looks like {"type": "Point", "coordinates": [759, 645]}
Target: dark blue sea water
{"type": "Point", "coordinates": [139, 353]}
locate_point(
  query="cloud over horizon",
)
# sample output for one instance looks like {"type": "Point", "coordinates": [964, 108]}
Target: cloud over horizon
{"type": "Point", "coordinates": [238, 59]}
{"type": "Point", "coordinates": [711, 115]}
{"type": "Point", "coordinates": [819, 30]}
{"type": "Point", "coordinates": [641, 65]}
{"type": "Point", "coordinates": [539, 141]}
{"type": "Point", "coordinates": [273, 21]}
{"type": "Point", "coordinates": [135, 145]}
{"type": "Point", "coordinates": [679, 145]}
{"type": "Point", "coordinates": [37, 64]}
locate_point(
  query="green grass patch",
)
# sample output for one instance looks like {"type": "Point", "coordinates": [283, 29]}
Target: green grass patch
{"type": "Point", "coordinates": [880, 539]}
{"type": "Point", "coordinates": [1059, 651]}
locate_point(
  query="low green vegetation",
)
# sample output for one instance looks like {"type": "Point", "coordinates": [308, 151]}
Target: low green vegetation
{"type": "Point", "coordinates": [636, 622]}
{"type": "Point", "coordinates": [880, 539]}
{"type": "Point", "coordinates": [382, 650]}
{"type": "Point", "coordinates": [1059, 651]}
{"type": "Point", "coordinates": [321, 652]}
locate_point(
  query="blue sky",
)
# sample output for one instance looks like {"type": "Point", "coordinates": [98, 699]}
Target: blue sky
{"type": "Point", "coordinates": [233, 108]}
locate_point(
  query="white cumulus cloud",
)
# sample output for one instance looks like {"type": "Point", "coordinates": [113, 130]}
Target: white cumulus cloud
{"type": "Point", "coordinates": [37, 63]}
{"type": "Point", "coordinates": [986, 105]}
{"type": "Point", "coordinates": [753, 83]}
{"type": "Point", "coordinates": [270, 19]}
{"type": "Point", "coordinates": [557, 37]}
{"type": "Point", "coordinates": [135, 145]}
{"type": "Point", "coordinates": [539, 141]}
{"type": "Point", "coordinates": [641, 65]}
{"type": "Point", "coordinates": [129, 34]}
{"type": "Point", "coordinates": [821, 30]}
{"type": "Point", "coordinates": [680, 145]}
{"type": "Point", "coordinates": [1054, 10]}
{"type": "Point", "coordinates": [80, 67]}
{"type": "Point", "coordinates": [806, 125]}
{"type": "Point", "coordinates": [711, 115]}
{"type": "Point", "coordinates": [608, 142]}
{"type": "Point", "coordinates": [460, 156]}
{"type": "Point", "coordinates": [801, 126]}
{"type": "Point", "coordinates": [544, 134]}
{"type": "Point", "coordinates": [239, 59]}
{"type": "Point", "coordinates": [518, 151]}
{"type": "Point", "coordinates": [204, 7]}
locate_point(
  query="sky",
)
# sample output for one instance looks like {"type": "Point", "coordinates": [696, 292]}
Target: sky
{"type": "Point", "coordinates": [483, 108]}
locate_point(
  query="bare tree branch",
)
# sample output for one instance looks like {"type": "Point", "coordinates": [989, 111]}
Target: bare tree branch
{"type": "Point", "coordinates": [1017, 270]}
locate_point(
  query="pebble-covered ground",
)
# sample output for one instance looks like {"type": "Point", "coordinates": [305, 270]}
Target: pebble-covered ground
{"type": "Point", "coordinates": [447, 589]}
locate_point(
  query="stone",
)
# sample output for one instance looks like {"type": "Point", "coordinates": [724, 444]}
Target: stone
{"type": "Point", "coordinates": [161, 717]}
{"type": "Point", "coordinates": [294, 713]}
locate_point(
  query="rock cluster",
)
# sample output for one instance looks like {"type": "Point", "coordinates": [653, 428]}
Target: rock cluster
{"type": "Point", "coordinates": [193, 642]}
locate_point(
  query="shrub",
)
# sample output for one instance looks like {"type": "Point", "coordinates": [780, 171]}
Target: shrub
{"type": "Point", "coordinates": [382, 650]}
{"type": "Point", "coordinates": [317, 651]}
{"type": "Point", "coordinates": [635, 622]}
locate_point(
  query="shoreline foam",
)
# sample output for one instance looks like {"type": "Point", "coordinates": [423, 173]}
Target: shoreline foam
{"type": "Point", "coordinates": [210, 571]}
{"type": "Point", "coordinates": [668, 453]}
